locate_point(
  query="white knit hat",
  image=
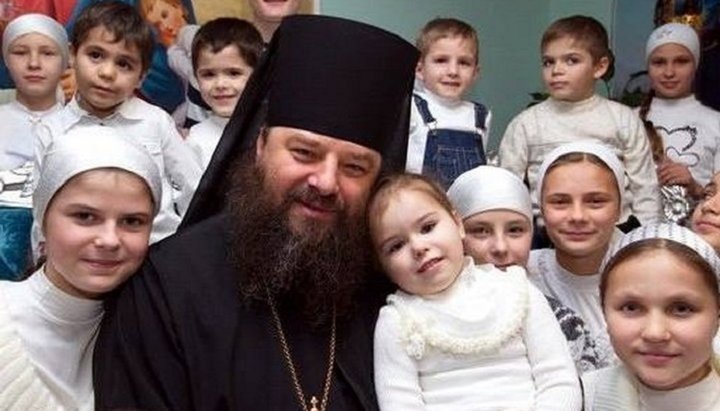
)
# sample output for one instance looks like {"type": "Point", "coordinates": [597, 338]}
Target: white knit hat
{"type": "Point", "coordinates": [487, 188]}
{"type": "Point", "coordinates": [672, 232]}
{"type": "Point", "coordinates": [677, 33]}
{"type": "Point", "coordinates": [36, 23]}
{"type": "Point", "coordinates": [603, 152]}
{"type": "Point", "coordinates": [88, 148]}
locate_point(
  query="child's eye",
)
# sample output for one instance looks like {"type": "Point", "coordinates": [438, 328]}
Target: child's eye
{"type": "Point", "coordinates": [394, 247]}
{"type": "Point", "coordinates": [681, 309]}
{"type": "Point", "coordinates": [134, 222]}
{"type": "Point", "coordinates": [571, 61]}
{"type": "Point", "coordinates": [517, 230]}
{"type": "Point", "coordinates": [18, 52]}
{"type": "Point", "coordinates": [206, 74]}
{"type": "Point", "coordinates": [94, 55]}
{"type": "Point", "coordinates": [630, 308]}
{"type": "Point", "coordinates": [547, 62]}
{"type": "Point", "coordinates": [427, 227]}
{"type": "Point", "coordinates": [467, 62]}
{"type": "Point", "coordinates": [236, 73]}
{"type": "Point", "coordinates": [597, 202]}
{"type": "Point", "coordinates": [125, 65]}
{"type": "Point", "coordinates": [84, 217]}
{"type": "Point", "coordinates": [479, 231]}
{"type": "Point", "coordinates": [440, 60]}
{"type": "Point", "coordinates": [708, 193]}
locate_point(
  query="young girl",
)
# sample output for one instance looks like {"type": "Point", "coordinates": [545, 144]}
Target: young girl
{"type": "Point", "coordinates": [706, 217]}
{"type": "Point", "coordinates": [496, 213]}
{"type": "Point", "coordinates": [660, 298]}
{"type": "Point", "coordinates": [35, 50]}
{"type": "Point", "coordinates": [684, 132]}
{"type": "Point", "coordinates": [457, 335]}
{"type": "Point", "coordinates": [580, 200]}
{"type": "Point", "coordinates": [95, 202]}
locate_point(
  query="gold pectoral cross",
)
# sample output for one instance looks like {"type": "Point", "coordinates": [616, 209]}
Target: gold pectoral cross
{"type": "Point", "coordinates": [313, 404]}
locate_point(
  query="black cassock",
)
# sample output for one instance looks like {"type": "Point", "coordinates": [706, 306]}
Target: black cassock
{"type": "Point", "coordinates": [177, 337]}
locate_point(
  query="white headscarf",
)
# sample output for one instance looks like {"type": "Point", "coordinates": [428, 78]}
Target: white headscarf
{"type": "Point", "coordinates": [672, 232]}
{"type": "Point", "coordinates": [486, 188]}
{"type": "Point", "coordinates": [89, 148]}
{"type": "Point", "coordinates": [36, 23]}
{"type": "Point", "coordinates": [603, 152]}
{"type": "Point", "coordinates": [677, 33]}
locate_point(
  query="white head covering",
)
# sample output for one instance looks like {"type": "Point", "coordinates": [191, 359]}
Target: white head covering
{"type": "Point", "coordinates": [88, 148]}
{"type": "Point", "coordinates": [677, 33]}
{"type": "Point", "coordinates": [486, 188]}
{"type": "Point", "coordinates": [603, 152]}
{"type": "Point", "coordinates": [672, 232]}
{"type": "Point", "coordinates": [36, 23]}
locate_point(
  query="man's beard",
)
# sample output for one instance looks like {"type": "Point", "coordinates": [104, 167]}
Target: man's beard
{"type": "Point", "coordinates": [316, 271]}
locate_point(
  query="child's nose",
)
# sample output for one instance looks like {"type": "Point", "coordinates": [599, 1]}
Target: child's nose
{"type": "Point", "coordinates": [655, 329]}
{"type": "Point", "coordinates": [34, 60]}
{"type": "Point", "coordinates": [107, 70]}
{"type": "Point", "coordinates": [107, 237]}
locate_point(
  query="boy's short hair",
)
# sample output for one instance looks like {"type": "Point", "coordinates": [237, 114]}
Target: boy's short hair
{"type": "Point", "coordinates": [228, 31]}
{"type": "Point", "coordinates": [584, 31]}
{"type": "Point", "coordinates": [441, 28]}
{"type": "Point", "coordinates": [122, 21]}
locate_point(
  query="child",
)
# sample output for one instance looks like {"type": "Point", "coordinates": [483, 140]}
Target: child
{"type": "Point", "coordinates": [496, 213]}
{"type": "Point", "coordinates": [448, 135]}
{"type": "Point", "coordinates": [111, 51]}
{"type": "Point", "coordinates": [575, 55]}
{"type": "Point", "coordinates": [224, 54]}
{"type": "Point", "coordinates": [660, 298]}
{"type": "Point", "coordinates": [686, 132]}
{"type": "Point", "coordinates": [580, 199]}
{"type": "Point", "coordinates": [457, 335]}
{"type": "Point", "coordinates": [706, 216]}
{"type": "Point", "coordinates": [35, 49]}
{"type": "Point", "coordinates": [95, 201]}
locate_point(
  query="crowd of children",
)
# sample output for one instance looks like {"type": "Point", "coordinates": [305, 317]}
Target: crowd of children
{"type": "Point", "coordinates": [617, 321]}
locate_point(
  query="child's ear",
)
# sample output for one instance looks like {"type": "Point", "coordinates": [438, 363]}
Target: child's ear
{"type": "Point", "coordinates": [601, 67]}
{"type": "Point", "coordinates": [418, 70]}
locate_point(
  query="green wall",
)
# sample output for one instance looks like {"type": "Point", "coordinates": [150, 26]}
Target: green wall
{"type": "Point", "coordinates": [509, 32]}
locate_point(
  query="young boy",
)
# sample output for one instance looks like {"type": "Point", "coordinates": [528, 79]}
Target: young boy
{"type": "Point", "coordinates": [224, 54]}
{"type": "Point", "coordinates": [111, 49]}
{"type": "Point", "coordinates": [448, 135]}
{"type": "Point", "coordinates": [575, 55]}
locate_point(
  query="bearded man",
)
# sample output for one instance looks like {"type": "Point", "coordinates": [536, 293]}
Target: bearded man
{"type": "Point", "coordinates": [265, 298]}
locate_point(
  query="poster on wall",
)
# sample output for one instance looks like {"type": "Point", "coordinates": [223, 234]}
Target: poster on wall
{"type": "Point", "coordinates": [167, 17]}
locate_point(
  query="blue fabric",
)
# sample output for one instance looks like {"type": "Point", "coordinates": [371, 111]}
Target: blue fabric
{"type": "Point", "coordinates": [449, 153]}
{"type": "Point", "coordinates": [15, 226]}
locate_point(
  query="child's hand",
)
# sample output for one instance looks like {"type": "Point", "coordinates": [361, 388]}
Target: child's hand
{"type": "Point", "coordinates": [67, 83]}
{"type": "Point", "coordinates": [672, 173]}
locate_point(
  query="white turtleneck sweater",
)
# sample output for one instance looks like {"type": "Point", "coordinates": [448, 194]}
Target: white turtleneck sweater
{"type": "Point", "coordinates": [532, 134]}
{"type": "Point", "coordinates": [17, 133]}
{"type": "Point", "coordinates": [615, 389]}
{"type": "Point", "coordinates": [691, 134]}
{"type": "Point", "coordinates": [46, 346]}
{"type": "Point", "coordinates": [579, 292]}
{"type": "Point", "coordinates": [489, 341]}
{"type": "Point", "coordinates": [449, 114]}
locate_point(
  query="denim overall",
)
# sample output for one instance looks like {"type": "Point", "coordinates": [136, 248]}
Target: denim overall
{"type": "Point", "coordinates": [449, 153]}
